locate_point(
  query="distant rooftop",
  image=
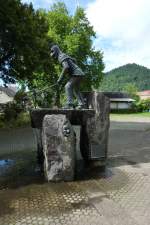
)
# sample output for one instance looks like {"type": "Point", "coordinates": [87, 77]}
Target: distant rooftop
{"type": "Point", "coordinates": [122, 100]}
{"type": "Point", "coordinates": [116, 95]}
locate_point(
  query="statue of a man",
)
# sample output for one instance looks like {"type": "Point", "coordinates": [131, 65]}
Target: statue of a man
{"type": "Point", "coordinates": [75, 75]}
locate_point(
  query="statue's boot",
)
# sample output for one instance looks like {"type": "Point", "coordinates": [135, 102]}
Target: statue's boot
{"type": "Point", "coordinates": [83, 106]}
{"type": "Point", "coordinates": [68, 106]}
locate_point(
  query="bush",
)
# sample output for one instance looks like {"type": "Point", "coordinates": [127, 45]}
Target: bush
{"type": "Point", "coordinates": [10, 112]}
{"type": "Point", "coordinates": [2, 123]}
{"type": "Point", "coordinates": [143, 105]}
{"type": "Point", "coordinates": [123, 111]}
{"type": "Point", "coordinates": [21, 99]}
{"type": "Point", "coordinates": [14, 116]}
{"type": "Point", "coordinates": [23, 119]}
{"type": "Point", "coordinates": [13, 109]}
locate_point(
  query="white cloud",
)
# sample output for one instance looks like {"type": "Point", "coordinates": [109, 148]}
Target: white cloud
{"type": "Point", "coordinates": [123, 32]}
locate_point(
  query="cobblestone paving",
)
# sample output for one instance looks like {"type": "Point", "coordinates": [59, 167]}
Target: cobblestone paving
{"type": "Point", "coordinates": [118, 196]}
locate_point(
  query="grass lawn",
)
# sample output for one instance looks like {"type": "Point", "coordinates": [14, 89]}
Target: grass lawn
{"type": "Point", "coordinates": [144, 116]}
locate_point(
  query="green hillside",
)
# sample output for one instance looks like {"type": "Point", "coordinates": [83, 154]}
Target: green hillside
{"type": "Point", "coordinates": [118, 78]}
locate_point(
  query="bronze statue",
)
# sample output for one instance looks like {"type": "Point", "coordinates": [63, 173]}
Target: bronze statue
{"type": "Point", "coordinates": [75, 75]}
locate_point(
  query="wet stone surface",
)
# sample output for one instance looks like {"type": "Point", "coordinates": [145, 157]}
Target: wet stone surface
{"type": "Point", "coordinates": [119, 195]}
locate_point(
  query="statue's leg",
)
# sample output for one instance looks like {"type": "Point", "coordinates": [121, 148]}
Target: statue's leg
{"type": "Point", "coordinates": [73, 85]}
{"type": "Point", "coordinates": [77, 92]}
{"type": "Point", "coordinates": [69, 91]}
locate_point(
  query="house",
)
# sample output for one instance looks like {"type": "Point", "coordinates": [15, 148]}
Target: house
{"type": "Point", "coordinates": [6, 95]}
{"type": "Point", "coordinates": [119, 100]}
{"type": "Point", "coordinates": [144, 94]}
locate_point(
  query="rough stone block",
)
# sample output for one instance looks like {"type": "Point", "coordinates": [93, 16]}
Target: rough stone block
{"type": "Point", "coordinates": [94, 131]}
{"type": "Point", "coordinates": [59, 146]}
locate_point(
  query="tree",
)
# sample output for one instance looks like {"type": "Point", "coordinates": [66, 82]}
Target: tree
{"type": "Point", "coordinates": [75, 37]}
{"type": "Point", "coordinates": [23, 41]}
{"type": "Point", "coordinates": [131, 90]}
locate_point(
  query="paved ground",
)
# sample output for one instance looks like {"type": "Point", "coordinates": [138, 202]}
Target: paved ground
{"type": "Point", "coordinates": [120, 196]}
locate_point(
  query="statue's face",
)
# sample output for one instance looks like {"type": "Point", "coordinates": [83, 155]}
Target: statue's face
{"type": "Point", "coordinates": [54, 51]}
{"type": "Point", "coordinates": [53, 54]}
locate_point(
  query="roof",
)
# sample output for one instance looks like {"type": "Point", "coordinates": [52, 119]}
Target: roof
{"type": "Point", "coordinates": [122, 100]}
{"type": "Point", "coordinates": [116, 95]}
{"type": "Point", "coordinates": [8, 91]}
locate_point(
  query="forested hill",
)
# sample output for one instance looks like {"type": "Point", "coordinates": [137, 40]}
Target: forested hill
{"type": "Point", "coordinates": [118, 78]}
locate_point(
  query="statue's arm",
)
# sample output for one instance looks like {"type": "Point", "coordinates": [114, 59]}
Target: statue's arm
{"type": "Point", "coordinates": [64, 70]}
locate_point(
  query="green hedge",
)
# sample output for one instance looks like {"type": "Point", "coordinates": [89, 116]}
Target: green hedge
{"type": "Point", "coordinates": [143, 105]}
{"type": "Point", "coordinates": [123, 111]}
{"type": "Point", "coordinates": [21, 120]}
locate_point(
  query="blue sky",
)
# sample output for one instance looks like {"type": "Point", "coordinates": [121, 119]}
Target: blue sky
{"type": "Point", "coordinates": [122, 28]}
{"type": "Point", "coordinates": [71, 4]}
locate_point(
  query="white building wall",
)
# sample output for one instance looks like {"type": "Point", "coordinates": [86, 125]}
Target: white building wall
{"type": "Point", "coordinates": [119, 105]}
{"type": "Point", "coordinates": [123, 105]}
{"type": "Point", "coordinates": [113, 105]}
{"type": "Point", "coordinates": [4, 98]}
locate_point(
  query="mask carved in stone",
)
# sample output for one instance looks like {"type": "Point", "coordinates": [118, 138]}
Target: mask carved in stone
{"type": "Point", "coordinates": [66, 130]}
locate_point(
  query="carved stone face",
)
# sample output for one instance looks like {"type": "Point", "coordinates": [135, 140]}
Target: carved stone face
{"type": "Point", "coordinates": [66, 130]}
